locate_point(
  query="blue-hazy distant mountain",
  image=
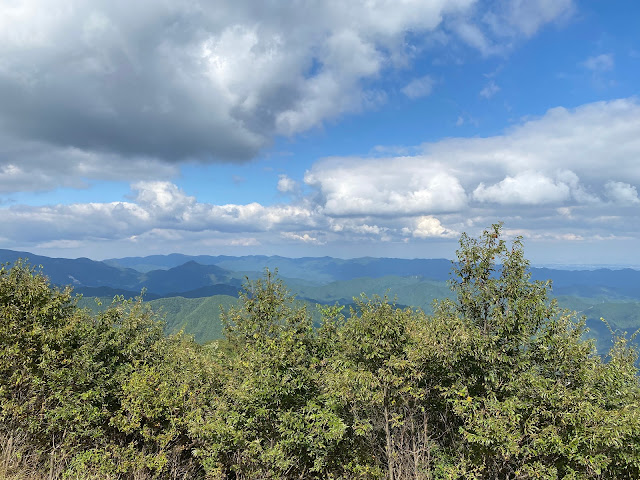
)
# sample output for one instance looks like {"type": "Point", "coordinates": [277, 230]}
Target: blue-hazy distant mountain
{"type": "Point", "coordinates": [315, 269]}
{"type": "Point", "coordinates": [186, 277]}
{"type": "Point", "coordinates": [79, 272]}
{"type": "Point", "coordinates": [589, 283]}
{"type": "Point", "coordinates": [193, 276]}
{"type": "Point", "coordinates": [195, 286]}
{"type": "Point", "coordinates": [95, 278]}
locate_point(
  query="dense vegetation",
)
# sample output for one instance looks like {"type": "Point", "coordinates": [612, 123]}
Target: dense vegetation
{"type": "Point", "coordinates": [498, 383]}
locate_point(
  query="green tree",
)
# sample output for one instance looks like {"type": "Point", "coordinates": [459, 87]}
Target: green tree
{"type": "Point", "coordinates": [272, 419]}
{"type": "Point", "coordinates": [532, 399]}
{"type": "Point", "coordinates": [106, 396]}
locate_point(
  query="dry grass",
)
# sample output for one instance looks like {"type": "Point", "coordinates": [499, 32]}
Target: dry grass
{"type": "Point", "coordinates": [19, 461]}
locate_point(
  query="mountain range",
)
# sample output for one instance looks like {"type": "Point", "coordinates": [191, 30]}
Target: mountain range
{"type": "Point", "coordinates": [189, 290]}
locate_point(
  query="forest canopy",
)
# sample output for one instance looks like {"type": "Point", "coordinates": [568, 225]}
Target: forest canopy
{"type": "Point", "coordinates": [498, 383]}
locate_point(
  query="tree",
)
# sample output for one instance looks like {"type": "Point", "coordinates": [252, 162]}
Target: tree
{"type": "Point", "coordinates": [532, 399]}
{"type": "Point", "coordinates": [272, 420]}
{"type": "Point", "coordinates": [106, 396]}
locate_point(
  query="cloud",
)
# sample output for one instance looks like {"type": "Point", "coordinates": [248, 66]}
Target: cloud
{"type": "Point", "coordinates": [621, 193]}
{"type": "Point", "coordinates": [304, 238]}
{"type": "Point", "coordinates": [559, 159]}
{"type": "Point", "coordinates": [184, 77]}
{"type": "Point", "coordinates": [245, 242]}
{"type": "Point", "coordinates": [419, 87]}
{"type": "Point", "coordinates": [35, 166]}
{"type": "Point", "coordinates": [159, 206]}
{"type": "Point", "coordinates": [528, 16]}
{"type": "Point", "coordinates": [513, 18]}
{"type": "Point", "coordinates": [473, 36]}
{"type": "Point", "coordinates": [489, 90]}
{"type": "Point", "coordinates": [391, 186]}
{"type": "Point", "coordinates": [526, 188]}
{"type": "Point", "coordinates": [549, 176]}
{"type": "Point", "coordinates": [599, 63]}
{"type": "Point", "coordinates": [286, 184]}
{"type": "Point", "coordinates": [429, 226]}
{"type": "Point", "coordinates": [93, 90]}
{"type": "Point", "coordinates": [557, 166]}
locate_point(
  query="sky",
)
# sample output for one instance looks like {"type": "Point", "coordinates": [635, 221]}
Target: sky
{"type": "Point", "coordinates": [309, 128]}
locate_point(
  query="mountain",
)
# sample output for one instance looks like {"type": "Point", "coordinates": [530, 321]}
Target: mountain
{"type": "Point", "coordinates": [318, 270]}
{"type": "Point", "coordinates": [187, 277]}
{"type": "Point", "coordinates": [165, 275]}
{"type": "Point", "coordinates": [191, 289]}
{"type": "Point", "coordinates": [81, 272]}
{"type": "Point", "coordinates": [591, 283]}
{"type": "Point", "coordinates": [100, 279]}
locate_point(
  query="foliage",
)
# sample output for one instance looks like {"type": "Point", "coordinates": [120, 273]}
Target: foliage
{"type": "Point", "coordinates": [497, 383]}
{"type": "Point", "coordinates": [110, 391]}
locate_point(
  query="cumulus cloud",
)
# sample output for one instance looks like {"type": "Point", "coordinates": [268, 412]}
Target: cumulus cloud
{"type": "Point", "coordinates": [305, 238]}
{"type": "Point", "coordinates": [526, 188]}
{"type": "Point", "coordinates": [286, 184]}
{"type": "Point", "coordinates": [549, 176]}
{"type": "Point", "coordinates": [245, 242]}
{"type": "Point", "coordinates": [89, 87]}
{"type": "Point", "coordinates": [557, 165]}
{"type": "Point", "coordinates": [389, 186]}
{"type": "Point", "coordinates": [430, 226]}
{"type": "Point", "coordinates": [159, 206]}
{"type": "Point", "coordinates": [621, 193]}
{"type": "Point", "coordinates": [37, 166]}
{"type": "Point", "coordinates": [184, 77]}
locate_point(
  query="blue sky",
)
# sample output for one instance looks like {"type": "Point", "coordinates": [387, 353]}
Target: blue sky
{"type": "Point", "coordinates": [381, 128]}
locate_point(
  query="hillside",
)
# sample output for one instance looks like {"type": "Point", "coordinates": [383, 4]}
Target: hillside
{"type": "Point", "coordinates": [191, 289]}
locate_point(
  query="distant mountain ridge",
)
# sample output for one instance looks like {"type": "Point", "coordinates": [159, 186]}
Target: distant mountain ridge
{"type": "Point", "coordinates": [190, 293]}
{"type": "Point", "coordinates": [206, 275]}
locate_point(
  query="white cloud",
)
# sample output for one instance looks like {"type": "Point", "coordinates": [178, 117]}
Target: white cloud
{"type": "Point", "coordinates": [430, 226]}
{"type": "Point", "coordinates": [357, 226]}
{"type": "Point", "coordinates": [474, 37]}
{"type": "Point", "coordinates": [528, 16]}
{"type": "Point", "coordinates": [621, 193]}
{"type": "Point", "coordinates": [394, 186]}
{"type": "Point", "coordinates": [159, 206]}
{"type": "Point", "coordinates": [91, 90]}
{"type": "Point", "coordinates": [599, 63]}
{"type": "Point", "coordinates": [305, 238]}
{"type": "Point", "coordinates": [523, 18]}
{"type": "Point", "coordinates": [286, 184]}
{"type": "Point", "coordinates": [489, 90]}
{"type": "Point", "coordinates": [419, 87]}
{"type": "Point", "coordinates": [562, 158]}
{"type": "Point", "coordinates": [245, 242]}
{"type": "Point", "coordinates": [163, 198]}
{"type": "Point", "coordinates": [558, 166]}
{"type": "Point", "coordinates": [526, 188]}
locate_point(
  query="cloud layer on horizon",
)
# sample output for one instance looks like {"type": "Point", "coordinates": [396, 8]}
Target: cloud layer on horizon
{"type": "Point", "coordinates": [547, 178]}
